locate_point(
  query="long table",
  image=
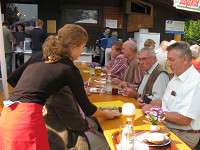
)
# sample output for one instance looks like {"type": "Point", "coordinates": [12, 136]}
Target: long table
{"type": "Point", "coordinates": [111, 126]}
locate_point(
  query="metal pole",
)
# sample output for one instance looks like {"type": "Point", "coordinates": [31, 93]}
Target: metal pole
{"type": "Point", "coordinates": [3, 61]}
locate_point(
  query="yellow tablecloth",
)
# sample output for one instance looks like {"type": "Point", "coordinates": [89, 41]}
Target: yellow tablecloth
{"type": "Point", "coordinates": [108, 132]}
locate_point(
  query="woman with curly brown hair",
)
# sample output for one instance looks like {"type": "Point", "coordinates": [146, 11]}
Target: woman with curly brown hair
{"type": "Point", "coordinates": [22, 125]}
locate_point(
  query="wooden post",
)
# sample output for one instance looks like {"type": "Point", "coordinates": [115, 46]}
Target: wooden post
{"type": "Point", "coordinates": [177, 37]}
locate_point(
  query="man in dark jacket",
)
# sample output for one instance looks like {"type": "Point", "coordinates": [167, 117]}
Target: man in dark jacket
{"type": "Point", "coordinates": [102, 42]}
{"type": "Point", "coordinates": [38, 37]}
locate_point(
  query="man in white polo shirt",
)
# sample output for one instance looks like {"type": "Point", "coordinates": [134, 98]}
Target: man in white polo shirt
{"type": "Point", "coordinates": [181, 98]}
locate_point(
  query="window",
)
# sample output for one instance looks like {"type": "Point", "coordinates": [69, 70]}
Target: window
{"type": "Point", "coordinates": [25, 14]}
{"type": "Point", "coordinates": [138, 6]}
{"type": "Point", "coordinates": [81, 16]}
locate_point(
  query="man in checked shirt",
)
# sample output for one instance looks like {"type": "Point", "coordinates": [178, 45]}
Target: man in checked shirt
{"type": "Point", "coordinates": [118, 64]}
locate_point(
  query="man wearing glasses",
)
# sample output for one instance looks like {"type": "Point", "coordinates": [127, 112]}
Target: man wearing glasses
{"type": "Point", "coordinates": [155, 78]}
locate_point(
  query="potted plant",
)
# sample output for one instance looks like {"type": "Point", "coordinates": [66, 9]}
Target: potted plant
{"type": "Point", "coordinates": [154, 116]}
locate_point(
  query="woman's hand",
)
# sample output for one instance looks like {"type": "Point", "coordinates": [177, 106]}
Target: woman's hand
{"type": "Point", "coordinates": [105, 114]}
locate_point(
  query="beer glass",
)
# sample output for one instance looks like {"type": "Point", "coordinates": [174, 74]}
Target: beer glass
{"type": "Point", "coordinates": [97, 71]}
{"type": "Point", "coordinates": [128, 110]}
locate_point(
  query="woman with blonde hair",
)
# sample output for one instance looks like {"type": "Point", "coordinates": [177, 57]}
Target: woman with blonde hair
{"type": "Point", "coordinates": [150, 43]}
{"type": "Point", "coordinates": [22, 125]}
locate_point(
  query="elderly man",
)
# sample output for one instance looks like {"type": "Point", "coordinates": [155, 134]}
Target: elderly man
{"type": "Point", "coordinates": [181, 99]}
{"type": "Point", "coordinates": [133, 73]}
{"type": "Point", "coordinates": [155, 78]}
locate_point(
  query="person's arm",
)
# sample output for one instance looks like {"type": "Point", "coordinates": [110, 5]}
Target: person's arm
{"type": "Point", "coordinates": [15, 76]}
{"type": "Point", "coordinates": [118, 66]}
{"type": "Point", "coordinates": [76, 84]}
{"type": "Point", "coordinates": [146, 107]}
{"type": "Point", "coordinates": [177, 119]}
{"type": "Point", "coordinates": [117, 81]}
{"type": "Point", "coordinates": [77, 87]}
{"type": "Point", "coordinates": [105, 114]}
{"type": "Point", "coordinates": [130, 92]}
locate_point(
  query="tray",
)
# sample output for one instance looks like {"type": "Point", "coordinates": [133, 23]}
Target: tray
{"type": "Point", "coordinates": [170, 146]}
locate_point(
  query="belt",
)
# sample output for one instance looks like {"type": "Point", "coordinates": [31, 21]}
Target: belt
{"type": "Point", "coordinates": [189, 131]}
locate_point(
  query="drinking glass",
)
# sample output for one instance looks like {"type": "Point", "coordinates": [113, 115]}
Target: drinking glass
{"type": "Point", "coordinates": [97, 71]}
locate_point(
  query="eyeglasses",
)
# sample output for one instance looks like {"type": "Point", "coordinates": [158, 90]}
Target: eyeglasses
{"type": "Point", "coordinates": [144, 59]}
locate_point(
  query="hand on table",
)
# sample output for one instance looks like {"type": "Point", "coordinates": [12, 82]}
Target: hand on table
{"type": "Point", "coordinates": [110, 114]}
{"type": "Point", "coordinates": [130, 92]}
{"type": "Point", "coordinates": [146, 107]}
{"type": "Point", "coordinates": [116, 81]}
{"type": "Point", "coordinates": [140, 103]}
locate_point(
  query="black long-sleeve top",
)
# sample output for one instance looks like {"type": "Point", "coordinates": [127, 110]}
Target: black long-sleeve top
{"type": "Point", "coordinates": [39, 80]}
{"type": "Point", "coordinates": [38, 37]}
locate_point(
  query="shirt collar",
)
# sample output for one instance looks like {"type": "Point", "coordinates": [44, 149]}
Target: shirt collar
{"type": "Point", "coordinates": [132, 59]}
{"type": "Point", "coordinates": [152, 68]}
{"type": "Point", "coordinates": [38, 27]}
{"type": "Point", "coordinates": [185, 74]}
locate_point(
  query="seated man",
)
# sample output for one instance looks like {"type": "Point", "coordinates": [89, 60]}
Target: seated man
{"type": "Point", "coordinates": [155, 78]}
{"type": "Point", "coordinates": [68, 127]}
{"type": "Point", "coordinates": [116, 67]}
{"type": "Point", "coordinates": [133, 73]}
{"type": "Point", "coordinates": [181, 99]}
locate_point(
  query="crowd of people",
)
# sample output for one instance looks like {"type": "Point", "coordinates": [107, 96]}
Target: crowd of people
{"type": "Point", "coordinates": [12, 40]}
{"type": "Point", "coordinates": [50, 78]}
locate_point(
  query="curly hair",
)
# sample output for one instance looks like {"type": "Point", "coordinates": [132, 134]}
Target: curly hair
{"type": "Point", "coordinates": [57, 47]}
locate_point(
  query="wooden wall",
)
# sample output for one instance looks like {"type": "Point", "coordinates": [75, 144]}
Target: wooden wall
{"type": "Point", "coordinates": [161, 14]}
{"type": "Point", "coordinates": [54, 11]}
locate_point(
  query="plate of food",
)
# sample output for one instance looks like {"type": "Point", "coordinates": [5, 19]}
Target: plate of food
{"type": "Point", "coordinates": [154, 138]}
{"type": "Point", "coordinates": [118, 110]}
{"type": "Point", "coordinates": [100, 81]}
{"type": "Point", "coordinates": [95, 90]}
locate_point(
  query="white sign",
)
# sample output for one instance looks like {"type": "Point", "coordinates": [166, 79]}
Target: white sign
{"type": "Point", "coordinates": [190, 5]}
{"type": "Point", "coordinates": [2, 17]}
{"type": "Point", "coordinates": [111, 23]}
{"type": "Point", "coordinates": [174, 27]}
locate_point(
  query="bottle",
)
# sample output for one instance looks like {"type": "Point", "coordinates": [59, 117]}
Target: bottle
{"type": "Point", "coordinates": [128, 134]}
{"type": "Point", "coordinates": [109, 85]}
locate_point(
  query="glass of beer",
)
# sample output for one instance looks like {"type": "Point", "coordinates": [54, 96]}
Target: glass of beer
{"type": "Point", "coordinates": [97, 71]}
{"type": "Point", "coordinates": [128, 110]}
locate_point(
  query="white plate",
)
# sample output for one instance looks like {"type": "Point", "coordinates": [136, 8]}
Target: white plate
{"type": "Point", "coordinates": [100, 81]}
{"type": "Point", "coordinates": [94, 90]}
{"type": "Point", "coordinates": [103, 74]}
{"type": "Point", "coordinates": [143, 135]}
